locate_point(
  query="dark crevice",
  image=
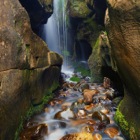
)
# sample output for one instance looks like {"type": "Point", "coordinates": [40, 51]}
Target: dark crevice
{"type": "Point", "coordinates": [36, 12]}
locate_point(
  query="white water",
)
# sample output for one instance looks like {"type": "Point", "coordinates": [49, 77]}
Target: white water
{"type": "Point", "coordinates": [55, 32]}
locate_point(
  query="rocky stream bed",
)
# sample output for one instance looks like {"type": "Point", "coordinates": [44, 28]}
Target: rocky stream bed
{"type": "Point", "coordinates": [79, 111]}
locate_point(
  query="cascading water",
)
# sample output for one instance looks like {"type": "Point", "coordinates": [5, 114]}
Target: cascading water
{"type": "Point", "coordinates": [55, 32]}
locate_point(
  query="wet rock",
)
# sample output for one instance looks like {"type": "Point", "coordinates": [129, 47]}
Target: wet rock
{"type": "Point", "coordinates": [89, 129]}
{"type": "Point", "coordinates": [84, 86]}
{"type": "Point", "coordinates": [118, 138]}
{"type": "Point", "coordinates": [89, 107]}
{"type": "Point", "coordinates": [88, 95]}
{"type": "Point", "coordinates": [116, 100]}
{"type": "Point", "coordinates": [55, 102]}
{"type": "Point", "coordinates": [66, 114]}
{"type": "Point", "coordinates": [78, 136]}
{"type": "Point", "coordinates": [77, 105]}
{"type": "Point", "coordinates": [97, 137]}
{"type": "Point", "coordinates": [87, 78]}
{"type": "Point", "coordinates": [99, 98]}
{"type": "Point", "coordinates": [99, 107]}
{"type": "Point", "coordinates": [81, 114]}
{"type": "Point", "coordinates": [101, 116]}
{"type": "Point", "coordinates": [111, 131]}
{"type": "Point", "coordinates": [36, 132]}
{"type": "Point", "coordinates": [56, 125]}
{"type": "Point", "coordinates": [105, 111]}
{"type": "Point", "coordinates": [78, 122]}
{"type": "Point", "coordinates": [106, 83]}
{"type": "Point", "coordinates": [91, 122]}
{"type": "Point", "coordinates": [80, 101]}
{"type": "Point", "coordinates": [110, 93]}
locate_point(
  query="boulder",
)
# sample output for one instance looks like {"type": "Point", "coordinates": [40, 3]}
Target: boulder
{"type": "Point", "coordinates": [88, 95]}
{"type": "Point", "coordinates": [28, 70]}
{"type": "Point", "coordinates": [78, 9]}
{"type": "Point", "coordinates": [35, 132]}
{"type": "Point", "coordinates": [78, 136]}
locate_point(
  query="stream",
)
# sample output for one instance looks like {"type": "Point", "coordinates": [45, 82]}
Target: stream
{"type": "Point", "coordinates": [79, 111]}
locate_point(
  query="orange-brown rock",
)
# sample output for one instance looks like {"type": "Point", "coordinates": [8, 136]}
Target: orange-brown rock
{"type": "Point", "coordinates": [89, 107]}
{"type": "Point", "coordinates": [111, 131]}
{"type": "Point", "coordinates": [88, 95]}
{"type": "Point", "coordinates": [101, 116]}
{"type": "Point", "coordinates": [88, 128]}
{"type": "Point", "coordinates": [97, 137]}
{"type": "Point", "coordinates": [78, 136]}
{"type": "Point", "coordinates": [35, 132]}
{"type": "Point", "coordinates": [65, 114]}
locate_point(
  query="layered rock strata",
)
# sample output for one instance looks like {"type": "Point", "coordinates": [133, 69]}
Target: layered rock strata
{"type": "Point", "coordinates": [123, 25]}
{"type": "Point", "coordinates": [28, 70]}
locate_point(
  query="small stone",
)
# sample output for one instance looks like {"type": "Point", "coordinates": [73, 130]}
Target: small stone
{"type": "Point", "coordinates": [97, 137]}
{"type": "Point", "coordinates": [88, 129]}
{"type": "Point", "coordinates": [89, 107]}
{"type": "Point", "coordinates": [111, 131]}
{"type": "Point", "coordinates": [110, 93]}
{"type": "Point", "coordinates": [88, 95]}
{"type": "Point", "coordinates": [65, 114]}
{"type": "Point", "coordinates": [81, 114]}
{"type": "Point", "coordinates": [91, 122]}
{"type": "Point", "coordinates": [78, 136]}
{"type": "Point", "coordinates": [101, 116]}
{"type": "Point", "coordinates": [80, 100]}
{"type": "Point", "coordinates": [106, 83]}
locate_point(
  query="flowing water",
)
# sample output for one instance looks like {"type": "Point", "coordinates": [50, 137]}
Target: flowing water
{"type": "Point", "coordinates": [56, 31]}
{"type": "Point", "coordinates": [78, 108]}
{"type": "Point", "coordinates": [73, 110]}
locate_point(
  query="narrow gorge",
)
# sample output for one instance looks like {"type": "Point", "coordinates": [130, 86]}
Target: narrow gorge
{"type": "Point", "coordinates": [69, 70]}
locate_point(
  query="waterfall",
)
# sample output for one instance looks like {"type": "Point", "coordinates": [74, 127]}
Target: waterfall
{"type": "Point", "coordinates": [55, 32]}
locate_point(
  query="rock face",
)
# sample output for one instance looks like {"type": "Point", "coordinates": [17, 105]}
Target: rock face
{"type": "Point", "coordinates": [91, 42]}
{"type": "Point", "coordinates": [39, 11]}
{"type": "Point", "coordinates": [123, 25]}
{"type": "Point", "coordinates": [28, 70]}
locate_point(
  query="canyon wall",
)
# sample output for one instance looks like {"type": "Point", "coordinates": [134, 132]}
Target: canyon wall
{"type": "Point", "coordinates": [28, 70]}
{"type": "Point", "coordinates": [123, 27]}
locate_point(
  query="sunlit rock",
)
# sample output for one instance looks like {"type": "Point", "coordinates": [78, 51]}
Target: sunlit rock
{"type": "Point", "coordinates": [88, 95]}
{"type": "Point", "coordinates": [81, 113]}
{"type": "Point", "coordinates": [97, 137]}
{"type": "Point", "coordinates": [78, 136]}
{"type": "Point", "coordinates": [111, 131]}
{"type": "Point", "coordinates": [66, 114]}
{"type": "Point", "coordinates": [89, 107]}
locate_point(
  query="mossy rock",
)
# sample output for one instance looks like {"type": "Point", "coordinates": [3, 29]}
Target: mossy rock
{"type": "Point", "coordinates": [75, 79]}
{"type": "Point", "coordinates": [79, 9]}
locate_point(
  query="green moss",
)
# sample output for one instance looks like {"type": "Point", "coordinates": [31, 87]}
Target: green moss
{"type": "Point", "coordinates": [75, 79]}
{"type": "Point", "coordinates": [48, 95]}
{"type": "Point", "coordinates": [120, 119]}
